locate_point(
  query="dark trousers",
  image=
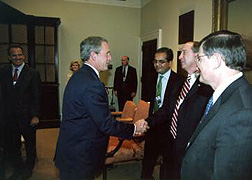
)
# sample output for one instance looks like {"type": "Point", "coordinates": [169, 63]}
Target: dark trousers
{"type": "Point", "coordinates": [14, 144]}
{"type": "Point", "coordinates": [123, 96]}
{"type": "Point", "coordinates": [154, 147]}
{"type": "Point", "coordinates": [71, 175]}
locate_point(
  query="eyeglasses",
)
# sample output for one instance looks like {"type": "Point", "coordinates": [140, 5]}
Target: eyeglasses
{"type": "Point", "coordinates": [162, 61]}
{"type": "Point", "coordinates": [198, 57]}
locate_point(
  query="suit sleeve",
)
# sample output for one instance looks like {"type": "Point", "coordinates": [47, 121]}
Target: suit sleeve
{"type": "Point", "coordinates": [36, 94]}
{"type": "Point", "coordinates": [96, 102]}
{"type": "Point", "coordinates": [233, 154]}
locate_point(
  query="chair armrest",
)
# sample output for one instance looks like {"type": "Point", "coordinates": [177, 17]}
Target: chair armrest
{"type": "Point", "coordinates": [118, 146]}
{"type": "Point", "coordinates": [116, 113]}
{"type": "Point", "coordinates": [124, 119]}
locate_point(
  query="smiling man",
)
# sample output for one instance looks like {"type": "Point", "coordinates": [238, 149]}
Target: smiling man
{"type": "Point", "coordinates": [221, 146]}
{"type": "Point", "coordinates": [87, 122]}
{"type": "Point", "coordinates": [21, 84]}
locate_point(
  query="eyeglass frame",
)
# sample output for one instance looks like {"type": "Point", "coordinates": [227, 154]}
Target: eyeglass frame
{"type": "Point", "coordinates": [197, 59]}
{"type": "Point", "coordinates": [161, 61]}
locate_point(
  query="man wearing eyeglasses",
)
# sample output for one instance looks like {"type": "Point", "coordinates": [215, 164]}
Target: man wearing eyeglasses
{"type": "Point", "coordinates": [221, 146]}
{"type": "Point", "coordinates": [162, 84]}
{"type": "Point", "coordinates": [184, 110]}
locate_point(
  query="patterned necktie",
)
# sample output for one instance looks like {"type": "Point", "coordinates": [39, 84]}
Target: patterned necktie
{"type": "Point", "coordinates": [182, 95]}
{"type": "Point", "coordinates": [15, 76]}
{"type": "Point", "coordinates": [208, 106]}
{"type": "Point", "coordinates": [158, 94]}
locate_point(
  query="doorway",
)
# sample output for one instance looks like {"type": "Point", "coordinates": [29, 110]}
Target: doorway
{"type": "Point", "coordinates": [148, 49]}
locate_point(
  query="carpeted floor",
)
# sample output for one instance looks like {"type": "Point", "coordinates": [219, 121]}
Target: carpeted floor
{"type": "Point", "coordinates": [45, 169]}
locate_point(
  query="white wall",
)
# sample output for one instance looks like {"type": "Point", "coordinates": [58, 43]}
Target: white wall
{"type": "Point", "coordinates": [120, 25]}
{"type": "Point", "coordinates": [164, 14]}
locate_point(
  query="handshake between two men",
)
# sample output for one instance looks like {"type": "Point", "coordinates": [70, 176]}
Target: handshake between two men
{"type": "Point", "coordinates": [141, 127]}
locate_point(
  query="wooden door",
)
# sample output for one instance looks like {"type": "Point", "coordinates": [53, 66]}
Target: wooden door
{"type": "Point", "coordinates": [148, 49]}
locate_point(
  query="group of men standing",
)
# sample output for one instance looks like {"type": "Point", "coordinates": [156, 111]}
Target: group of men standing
{"type": "Point", "coordinates": [202, 128]}
{"type": "Point", "coordinates": [201, 125]}
{"type": "Point", "coordinates": [183, 101]}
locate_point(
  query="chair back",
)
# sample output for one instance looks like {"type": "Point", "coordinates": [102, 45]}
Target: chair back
{"type": "Point", "coordinates": [142, 110]}
{"type": "Point", "coordinates": [129, 109]}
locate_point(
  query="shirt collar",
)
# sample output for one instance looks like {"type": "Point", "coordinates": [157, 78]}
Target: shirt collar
{"type": "Point", "coordinates": [217, 93]}
{"type": "Point", "coordinates": [194, 77]}
{"type": "Point", "coordinates": [97, 72]}
{"type": "Point", "coordinates": [19, 67]}
{"type": "Point", "coordinates": [166, 75]}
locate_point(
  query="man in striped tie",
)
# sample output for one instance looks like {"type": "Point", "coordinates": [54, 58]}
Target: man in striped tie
{"type": "Point", "coordinates": [184, 110]}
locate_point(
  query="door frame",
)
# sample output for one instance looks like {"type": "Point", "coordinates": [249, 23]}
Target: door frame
{"type": "Point", "coordinates": [155, 34]}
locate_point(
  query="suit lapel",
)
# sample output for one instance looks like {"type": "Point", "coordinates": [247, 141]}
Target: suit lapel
{"type": "Point", "coordinates": [22, 76]}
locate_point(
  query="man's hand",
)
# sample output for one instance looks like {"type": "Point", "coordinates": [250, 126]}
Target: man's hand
{"type": "Point", "coordinates": [141, 127]}
{"type": "Point", "coordinates": [34, 121]}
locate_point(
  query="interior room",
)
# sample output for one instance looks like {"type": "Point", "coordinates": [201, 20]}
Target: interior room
{"type": "Point", "coordinates": [127, 25]}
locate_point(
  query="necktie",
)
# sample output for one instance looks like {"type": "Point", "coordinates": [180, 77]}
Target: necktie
{"type": "Point", "coordinates": [208, 106]}
{"type": "Point", "coordinates": [15, 76]}
{"type": "Point", "coordinates": [158, 94]}
{"type": "Point", "coordinates": [182, 95]}
{"type": "Point", "coordinates": [123, 73]}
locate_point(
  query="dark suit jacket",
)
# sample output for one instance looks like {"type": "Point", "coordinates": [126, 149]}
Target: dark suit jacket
{"type": "Point", "coordinates": [174, 81]}
{"type": "Point", "coordinates": [189, 115]}
{"type": "Point", "coordinates": [221, 146]}
{"type": "Point", "coordinates": [86, 126]}
{"type": "Point", "coordinates": [2, 111]}
{"type": "Point", "coordinates": [130, 82]}
{"type": "Point", "coordinates": [24, 97]}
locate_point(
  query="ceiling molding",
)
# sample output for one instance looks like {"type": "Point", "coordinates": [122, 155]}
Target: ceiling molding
{"type": "Point", "coordinates": [126, 3]}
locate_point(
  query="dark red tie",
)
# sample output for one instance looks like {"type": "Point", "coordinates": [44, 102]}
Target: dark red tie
{"type": "Point", "coordinates": [15, 76]}
{"type": "Point", "coordinates": [182, 95]}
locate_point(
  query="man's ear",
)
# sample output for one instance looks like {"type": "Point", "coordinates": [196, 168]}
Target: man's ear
{"type": "Point", "coordinates": [217, 60]}
{"type": "Point", "coordinates": [93, 55]}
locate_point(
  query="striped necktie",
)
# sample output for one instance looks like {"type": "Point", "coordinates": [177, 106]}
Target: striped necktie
{"type": "Point", "coordinates": [182, 95]}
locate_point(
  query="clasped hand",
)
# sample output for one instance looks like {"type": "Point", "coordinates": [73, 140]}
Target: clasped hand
{"type": "Point", "coordinates": [141, 127]}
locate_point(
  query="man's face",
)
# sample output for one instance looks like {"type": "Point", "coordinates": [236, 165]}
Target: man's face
{"type": "Point", "coordinates": [187, 58]}
{"type": "Point", "coordinates": [125, 61]}
{"type": "Point", "coordinates": [104, 57]}
{"type": "Point", "coordinates": [205, 66]}
{"type": "Point", "coordinates": [160, 63]}
{"type": "Point", "coordinates": [16, 56]}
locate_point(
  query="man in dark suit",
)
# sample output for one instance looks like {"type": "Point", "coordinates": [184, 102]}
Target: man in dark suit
{"type": "Point", "coordinates": [221, 146]}
{"type": "Point", "coordinates": [87, 122]}
{"type": "Point", "coordinates": [2, 128]}
{"type": "Point", "coordinates": [188, 110]}
{"type": "Point", "coordinates": [21, 85]}
{"type": "Point", "coordinates": [125, 82]}
{"type": "Point", "coordinates": [156, 138]}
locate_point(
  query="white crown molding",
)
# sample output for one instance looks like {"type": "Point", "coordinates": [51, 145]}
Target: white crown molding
{"type": "Point", "coordinates": [126, 3]}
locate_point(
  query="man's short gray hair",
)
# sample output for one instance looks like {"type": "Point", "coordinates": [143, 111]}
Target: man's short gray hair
{"type": "Point", "coordinates": [90, 44]}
